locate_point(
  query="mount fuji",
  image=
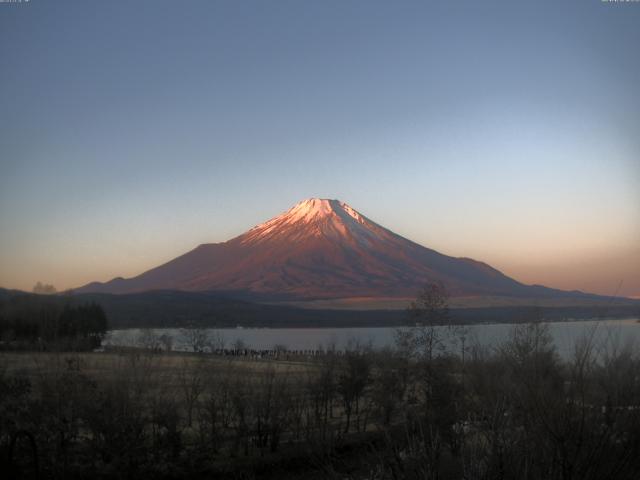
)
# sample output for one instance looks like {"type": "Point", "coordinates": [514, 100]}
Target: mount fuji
{"type": "Point", "coordinates": [322, 249]}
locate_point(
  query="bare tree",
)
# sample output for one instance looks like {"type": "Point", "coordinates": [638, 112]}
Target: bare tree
{"type": "Point", "coordinates": [166, 341]}
{"type": "Point", "coordinates": [217, 411]}
{"type": "Point", "coordinates": [270, 406]}
{"type": "Point", "coordinates": [195, 338]}
{"type": "Point", "coordinates": [280, 349]}
{"type": "Point", "coordinates": [239, 345]}
{"type": "Point", "coordinates": [148, 340]}
{"type": "Point", "coordinates": [216, 341]}
{"type": "Point", "coordinates": [353, 378]}
{"type": "Point", "coordinates": [390, 382]}
{"type": "Point", "coordinates": [428, 312]}
{"type": "Point", "coordinates": [321, 386]}
{"type": "Point", "coordinates": [192, 383]}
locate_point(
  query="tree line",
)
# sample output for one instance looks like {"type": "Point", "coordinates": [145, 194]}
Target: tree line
{"type": "Point", "coordinates": [40, 322]}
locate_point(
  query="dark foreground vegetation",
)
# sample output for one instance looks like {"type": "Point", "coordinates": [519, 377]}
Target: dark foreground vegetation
{"type": "Point", "coordinates": [40, 322]}
{"type": "Point", "coordinates": [414, 412]}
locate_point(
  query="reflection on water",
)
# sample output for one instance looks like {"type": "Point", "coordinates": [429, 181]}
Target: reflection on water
{"type": "Point", "coordinates": [609, 333]}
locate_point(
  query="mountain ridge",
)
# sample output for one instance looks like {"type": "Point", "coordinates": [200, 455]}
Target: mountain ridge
{"type": "Point", "coordinates": [321, 249]}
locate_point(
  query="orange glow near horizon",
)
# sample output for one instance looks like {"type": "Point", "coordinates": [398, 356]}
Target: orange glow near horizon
{"type": "Point", "coordinates": [593, 270]}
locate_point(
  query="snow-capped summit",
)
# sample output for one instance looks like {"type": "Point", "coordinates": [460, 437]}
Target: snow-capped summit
{"type": "Point", "coordinates": [315, 209]}
{"type": "Point", "coordinates": [316, 217]}
{"type": "Point", "coordinates": [319, 248]}
{"type": "Point", "coordinates": [310, 209]}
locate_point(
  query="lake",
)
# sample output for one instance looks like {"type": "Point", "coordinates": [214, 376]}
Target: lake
{"type": "Point", "coordinates": [618, 333]}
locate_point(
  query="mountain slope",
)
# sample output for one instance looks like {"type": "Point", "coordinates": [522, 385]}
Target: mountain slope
{"type": "Point", "coordinates": [320, 249]}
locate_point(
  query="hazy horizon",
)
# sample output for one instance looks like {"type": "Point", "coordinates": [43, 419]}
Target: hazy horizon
{"type": "Point", "coordinates": [507, 133]}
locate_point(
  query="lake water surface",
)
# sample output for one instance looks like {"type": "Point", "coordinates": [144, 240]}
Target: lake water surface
{"type": "Point", "coordinates": [610, 333]}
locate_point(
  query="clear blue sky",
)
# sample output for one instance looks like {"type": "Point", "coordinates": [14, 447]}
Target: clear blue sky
{"type": "Point", "coordinates": [132, 131]}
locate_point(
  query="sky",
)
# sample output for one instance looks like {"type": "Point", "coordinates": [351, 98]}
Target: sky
{"type": "Point", "coordinates": [509, 132]}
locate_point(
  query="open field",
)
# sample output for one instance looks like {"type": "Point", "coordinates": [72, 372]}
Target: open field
{"type": "Point", "coordinates": [167, 366]}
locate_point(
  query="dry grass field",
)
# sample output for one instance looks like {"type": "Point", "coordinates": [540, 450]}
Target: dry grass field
{"type": "Point", "coordinates": [165, 365]}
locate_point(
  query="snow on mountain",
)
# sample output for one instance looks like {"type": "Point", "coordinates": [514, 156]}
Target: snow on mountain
{"type": "Point", "coordinates": [316, 218]}
{"type": "Point", "coordinates": [318, 249]}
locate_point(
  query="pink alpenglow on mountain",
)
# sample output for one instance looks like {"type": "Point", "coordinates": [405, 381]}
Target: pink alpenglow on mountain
{"type": "Point", "coordinates": [319, 249]}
